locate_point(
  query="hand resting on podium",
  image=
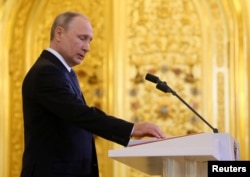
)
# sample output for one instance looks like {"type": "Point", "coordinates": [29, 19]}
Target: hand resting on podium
{"type": "Point", "coordinates": [147, 129]}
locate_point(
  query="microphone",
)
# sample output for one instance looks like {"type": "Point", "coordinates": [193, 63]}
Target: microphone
{"type": "Point", "coordinates": [163, 86]}
{"type": "Point", "coordinates": [152, 78]}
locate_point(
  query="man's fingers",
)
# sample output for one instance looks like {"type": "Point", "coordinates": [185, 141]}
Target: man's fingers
{"type": "Point", "coordinates": [158, 133]}
{"type": "Point", "coordinates": [147, 129]}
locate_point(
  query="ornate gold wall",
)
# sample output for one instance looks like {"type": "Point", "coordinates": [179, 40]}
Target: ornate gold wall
{"type": "Point", "coordinates": [200, 47]}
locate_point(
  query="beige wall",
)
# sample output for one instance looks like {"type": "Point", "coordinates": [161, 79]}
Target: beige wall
{"type": "Point", "coordinates": [199, 47]}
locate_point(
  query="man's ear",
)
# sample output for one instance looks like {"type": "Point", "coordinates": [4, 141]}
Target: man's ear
{"type": "Point", "coordinates": [59, 33]}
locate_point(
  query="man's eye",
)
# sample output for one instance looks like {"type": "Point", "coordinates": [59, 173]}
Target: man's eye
{"type": "Point", "coordinates": [85, 38]}
{"type": "Point", "coordinates": [82, 38]}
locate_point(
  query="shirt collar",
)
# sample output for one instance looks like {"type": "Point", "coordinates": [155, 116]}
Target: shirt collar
{"type": "Point", "coordinates": [60, 58]}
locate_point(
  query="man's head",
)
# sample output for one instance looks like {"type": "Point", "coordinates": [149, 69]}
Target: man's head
{"type": "Point", "coordinates": [71, 34]}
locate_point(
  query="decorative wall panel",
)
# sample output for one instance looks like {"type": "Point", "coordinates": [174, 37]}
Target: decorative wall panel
{"type": "Point", "coordinates": [29, 35]}
{"type": "Point", "coordinates": [164, 38]}
{"type": "Point", "coordinates": [199, 47]}
{"type": "Point", "coordinates": [185, 43]}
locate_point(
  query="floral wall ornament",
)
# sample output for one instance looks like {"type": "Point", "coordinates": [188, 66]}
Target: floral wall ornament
{"type": "Point", "coordinates": [165, 41]}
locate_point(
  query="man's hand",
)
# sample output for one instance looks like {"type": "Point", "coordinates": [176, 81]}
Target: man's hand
{"type": "Point", "coordinates": [147, 129]}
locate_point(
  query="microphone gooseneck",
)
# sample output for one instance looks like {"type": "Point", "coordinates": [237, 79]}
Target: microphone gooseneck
{"type": "Point", "coordinates": [165, 88]}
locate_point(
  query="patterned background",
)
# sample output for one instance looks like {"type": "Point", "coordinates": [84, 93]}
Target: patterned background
{"type": "Point", "coordinates": [195, 46]}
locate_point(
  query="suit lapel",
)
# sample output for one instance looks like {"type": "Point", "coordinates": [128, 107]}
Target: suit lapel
{"type": "Point", "coordinates": [72, 76]}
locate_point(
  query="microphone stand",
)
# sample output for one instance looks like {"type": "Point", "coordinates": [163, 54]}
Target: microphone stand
{"type": "Point", "coordinates": [165, 88]}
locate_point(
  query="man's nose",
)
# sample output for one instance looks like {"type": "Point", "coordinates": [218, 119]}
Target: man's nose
{"type": "Point", "coordinates": [86, 47]}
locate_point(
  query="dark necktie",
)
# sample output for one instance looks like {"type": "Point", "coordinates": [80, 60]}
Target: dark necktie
{"type": "Point", "coordinates": [76, 84]}
{"type": "Point", "coordinates": [75, 81]}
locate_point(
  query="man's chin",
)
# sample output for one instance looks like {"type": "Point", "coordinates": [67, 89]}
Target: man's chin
{"type": "Point", "coordinates": [78, 61]}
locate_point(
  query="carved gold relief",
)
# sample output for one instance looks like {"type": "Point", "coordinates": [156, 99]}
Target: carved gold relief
{"type": "Point", "coordinates": [165, 41]}
{"type": "Point", "coordinates": [29, 35]}
{"type": "Point", "coordinates": [198, 47]}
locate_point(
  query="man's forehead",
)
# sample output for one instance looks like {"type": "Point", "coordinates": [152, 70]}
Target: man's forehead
{"type": "Point", "coordinates": [81, 21]}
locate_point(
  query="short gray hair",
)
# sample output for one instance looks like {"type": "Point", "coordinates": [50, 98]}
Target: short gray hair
{"type": "Point", "coordinates": [63, 20]}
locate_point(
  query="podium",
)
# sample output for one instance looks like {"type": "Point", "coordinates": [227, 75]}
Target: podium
{"type": "Point", "coordinates": [182, 156]}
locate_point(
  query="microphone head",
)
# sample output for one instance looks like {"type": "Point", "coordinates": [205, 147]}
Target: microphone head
{"type": "Point", "coordinates": [152, 78]}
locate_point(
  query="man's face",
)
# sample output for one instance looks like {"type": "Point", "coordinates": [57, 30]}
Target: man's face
{"type": "Point", "coordinates": [75, 41]}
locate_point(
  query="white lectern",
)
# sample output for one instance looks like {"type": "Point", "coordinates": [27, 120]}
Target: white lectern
{"type": "Point", "coordinates": [183, 156]}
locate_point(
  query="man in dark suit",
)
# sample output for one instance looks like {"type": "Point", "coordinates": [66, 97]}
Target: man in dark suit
{"type": "Point", "coordinates": [58, 124]}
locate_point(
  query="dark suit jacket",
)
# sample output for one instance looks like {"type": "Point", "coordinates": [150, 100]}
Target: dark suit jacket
{"type": "Point", "coordinates": [59, 126]}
